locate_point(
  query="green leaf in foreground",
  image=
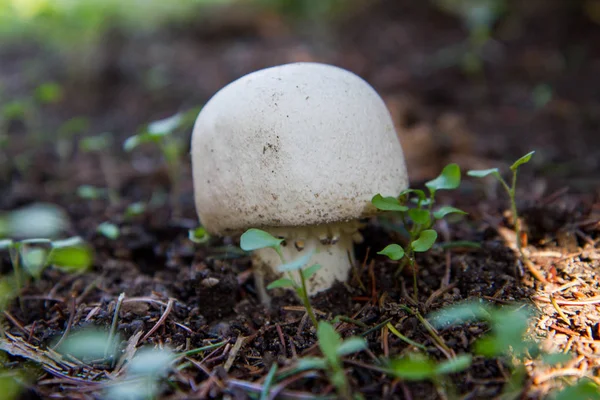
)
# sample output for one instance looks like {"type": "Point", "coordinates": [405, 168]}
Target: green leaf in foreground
{"type": "Point", "coordinates": [584, 389]}
{"type": "Point", "coordinates": [329, 341]}
{"type": "Point", "coordinates": [297, 264]}
{"type": "Point", "coordinates": [446, 210]}
{"type": "Point", "coordinates": [254, 239]}
{"type": "Point", "coordinates": [523, 160]}
{"type": "Point", "coordinates": [388, 203]}
{"type": "Point", "coordinates": [425, 241]}
{"type": "Point", "coordinates": [448, 179]}
{"type": "Point", "coordinates": [351, 345]}
{"type": "Point", "coordinates": [76, 258]}
{"type": "Point", "coordinates": [393, 252]}
{"type": "Point", "coordinates": [281, 283]}
{"type": "Point", "coordinates": [310, 271]}
{"type": "Point", "coordinates": [457, 364]}
{"type": "Point", "coordinates": [482, 173]}
{"type": "Point", "coordinates": [419, 216]}
{"type": "Point", "coordinates": [413, 368]}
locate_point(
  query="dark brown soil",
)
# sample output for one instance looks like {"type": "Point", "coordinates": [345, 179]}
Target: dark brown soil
{"type": "Point", "coordinates": [443, 115]}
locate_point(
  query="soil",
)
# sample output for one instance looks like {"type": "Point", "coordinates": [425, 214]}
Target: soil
{"type": "Point", "coordinates": [197, 295]}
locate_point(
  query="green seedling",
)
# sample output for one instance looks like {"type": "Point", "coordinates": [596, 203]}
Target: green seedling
{"type": "Point", "coordinates": [89, 192]}
{"type": "Point", "coordinates": [418, 367]}
{"type": "Point", "coordinates": [198, 235]}
{"type": "Point", "coordinates": [100, 145]}
{"type": "Point", "coordinates": [510, 190]}
{"type": "Point", "coordinates": [64, 143]}
{"type": "Point", "coordinates": [333, 348]}
{"type": "Point", "coordinates": [33, 221]}
{"type": "Point", "coordinates": [164, 135]}
{"type": "Point", "coordinates": [135, 209]}
{"type": "Point", "coordinates": [479, 17]}
{"type": "Point", "coordinates": [507, 338]}
{"type": "Point", "coordinates": [584, 389]}
{"type": "Point", "coordinates": [109, 230]}
{"type": "Point", "coordinates": [255, 239]}
{"type": "Point", "coordinates": [416, 211]}
{"type": "Point", "coordinates": [30, 257]}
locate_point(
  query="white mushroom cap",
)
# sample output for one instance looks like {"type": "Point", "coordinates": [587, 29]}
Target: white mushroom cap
{"type": "Point", "coordinates": [299, 147]}
{"type": "Point", "coordinates": [297, 144]}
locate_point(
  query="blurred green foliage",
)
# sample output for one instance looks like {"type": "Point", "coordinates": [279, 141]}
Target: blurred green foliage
{"type": "Point", "coordinates": [82, 21]}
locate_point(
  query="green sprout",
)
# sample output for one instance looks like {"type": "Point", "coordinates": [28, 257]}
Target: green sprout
{"type": "Point", "coordinates": [33, 256]}
{"type": "Point", "coordinates": [163, 134]}
{"type": "Point", "coordinates": [99, 144]}
{"type": "Point", "coordinates": [198, 235]}
{"type": "Point", "coordinates": [255, 239]}
{"type": "Point", "coordinates": [507, 337]}
{"type": "Point", "coordinates": [333, 348]}
{"type": "Point", "coordinates": [510, 190]}
{"type": "Point", "coordinates": [418, 367]}
{"type": "Point", "coordinates": [419, 218]}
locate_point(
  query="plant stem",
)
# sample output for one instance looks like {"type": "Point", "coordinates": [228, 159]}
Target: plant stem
{"type": "Point", "coordinates": [300, 290]}
{"type": "Point", "coordinates": [306, 301]}
{"type": "Point", "coordinates": [513, 206]}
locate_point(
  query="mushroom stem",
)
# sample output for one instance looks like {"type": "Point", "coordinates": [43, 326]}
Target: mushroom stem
{"type": "Point", "coordinates": [331, 246]}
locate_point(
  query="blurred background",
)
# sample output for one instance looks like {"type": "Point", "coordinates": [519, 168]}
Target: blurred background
{"type": "Point", "coordinates": [478, 82]}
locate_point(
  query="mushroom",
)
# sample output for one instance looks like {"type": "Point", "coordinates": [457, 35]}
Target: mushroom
{"type": "Point", "coordinates": [297, 150]}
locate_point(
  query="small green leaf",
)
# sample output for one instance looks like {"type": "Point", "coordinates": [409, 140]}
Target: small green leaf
{"type": "Point", "coordinates": [132, 142]}
{"type": "Point", "coordinates": [73, 126]}
{"type": "Point", "coordinates": [584, 389]}
{"type": "Point", "coordinates": [89, 192]}
{"type": "Point", "coordinates": [308, 363]}
{"type": "Point", "coordinates": [109, 230]}
{"type": "Point", "coordinates": [489, 346]}
{"type": "Point", "coordinates": [14, 110]}
{"type": "Point", "coordinates": [448, 179]}
{"type": "Point", "coordinates": [445, 210]}
{"type": "Point", "coordinates": [72, 259]}
{"type": "Point", "coordinates": [351, 345]}
{"type": "Point", "coordinates": [135, 209]}
{"type": "Point", "coordinates": [254, 239]}
{"type": "Point", "coordinates": [425, 241]}
{"type": "Point", "coordinates": [419, 216]}
{"type": "Point", "coordinates": [86, 345]}
{"type": "Point", "coordinates": [264, 394]}
{"type": "Point", "coordinates": [149, 362]}
{"type": "Point", "coordinates": [467, 311]}
{"type": "Point", "coordinates": [457, 364]}
{"type": "Point", "coordinates": [388, 203]}
{"type": "Point", "coordinates": [329, 342]}
{"type": "Point", "coordinates": [48, 93]}
{"type": "Point", "coordinates": [296, 264]}
{"type": "Point", "coordinates": [393, 252]}
{"type": "Point", "coordinates": [282, 283]}
{"type": "Point", "coordinates": [413, 368]}
{"type": "Point", "coordinates": [482, 173]}
{"type": "Point", "coordinates": [420, 194]}
{"type": "Point", "coordinates": [96, 143]}
{"type": "Point", "coordinates": [165, 126]}
{"type": "Point", "coordinates": [6, 243]}
{"type": "Point", "coordinates": [198, 235]}
{"type": "Point", "coordinates": [310, 271]}
{"type": "Point", "coordinates": [523, 160]}
{"type": "Point", "coordinates": [35, 259]}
